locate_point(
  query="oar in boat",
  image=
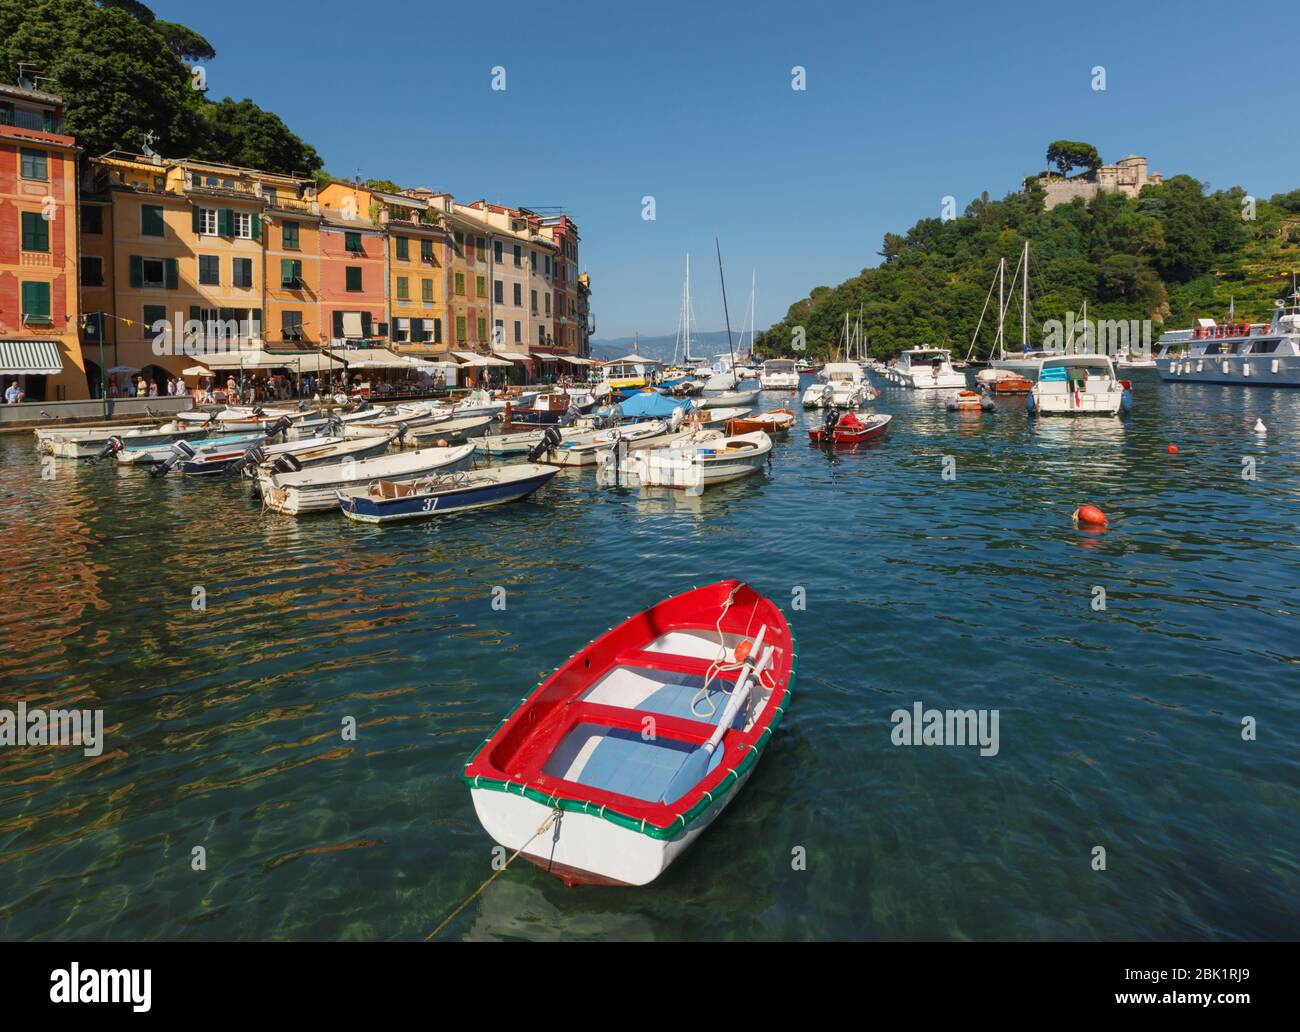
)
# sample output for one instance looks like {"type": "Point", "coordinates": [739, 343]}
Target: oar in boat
{"type": "Point", "coordinates": [696, 765]}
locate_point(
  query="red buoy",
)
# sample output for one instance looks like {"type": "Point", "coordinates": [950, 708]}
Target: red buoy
{"type": "Point", "coordinates": [1090, 515]}
{"type": "Point", "coordinates": [1173, 449]}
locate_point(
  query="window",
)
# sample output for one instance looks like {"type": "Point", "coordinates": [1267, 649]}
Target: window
{"type": "Point", "coordinates": [35, 164]}
{"type": "Point", "coordinates": [92, 219]}
{"type": "Point", "coordinates": [401, 330]}
{"type": "Point", "coordinates": [210, 270]}
{"type": "Point", "coordinates": [290, 273]}
{"type": "Point", "coordinates": [547, 298]}
{"type": "Point", "coordinates": [153, 315]}
{"type": "Point", "coordinates": [426, 291]}
{"type": "Point", "coordinates": [519, 295]}
{"type": "Point", "coordinates": [459, 238]}
{"type": "Point", "coordinates": [480, 283]}
{"type": "Point", "coordinates": [532, 258]}
{"type": "Point", "coordinates": [498, 291]}
{"type": "Point", "coordinates": [460, 284]}
{"type": "Point", "coordinates": [242, 269]}
{"type": "Point", "coordinates": [548, 264]}
{"type": "Point", "coordinates": [533, 304]}
{"type": "Point", "coordinates": [150, 273]}
{"type": "Point", "coordinates": [403, 288]}
{"type": "Point", "coordinates": [243, 226]}
{"type": "Point", "coordinates": [498, 331]}
{"type": "Point", "coordinates": [519, 332]}
{"type": "Point", "coordinates": [151, 220]}
{"type": "Point", "coordinates": [289, 236]}
{"type": "Point", "coordinates": [403, 246]}
{"type": "Point", "coordinates": [460, 328]}
{"type": "Point", "coordinates": [352, 242]}
{"type": "Point", "coordinates": [541, 334]}
{"type": "Point", "coordinates": [291, 324]}
{"type": "Point", "coordinates": [426, 250]}
{"type": "Point", "coordinates": [92, 271]}
{"type": "Point", "coordinates": [36, 304]}
{"type": "Point", "coordinates": [352, 278]}
{"type": "Point", "coordinates": [207, 221]}
{"type": "Point", "coordinates": [519, 256]}
{"type": "Point", "coordinates": [496, 251]}
{"type": "Point", "coordinates": [36, 232]}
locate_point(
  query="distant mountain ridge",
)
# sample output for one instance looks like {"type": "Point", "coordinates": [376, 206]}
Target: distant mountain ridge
{"type": "Point", "coordinates": [703, 345]}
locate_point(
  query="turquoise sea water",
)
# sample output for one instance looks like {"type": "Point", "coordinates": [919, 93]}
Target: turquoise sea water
{"type": "Point", "coordinates": [1119, 728]}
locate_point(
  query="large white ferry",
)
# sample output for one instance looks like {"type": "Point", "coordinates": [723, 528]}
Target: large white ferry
{"type": "Point", "coordinates": [1251, 354]}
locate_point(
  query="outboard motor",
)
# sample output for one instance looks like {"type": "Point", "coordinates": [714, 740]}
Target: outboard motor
{"type": "Point", "coordinates": [362, 405]}
{"type": "Point", "coordinates": [332, 427]}
{"type": "Point", "coordinates": [402, 431]}
{"type": "Point", "coordinates": [253, 457]}
{"type": "Point", "coordinates": [111, 447]}
{"type": "Point", "coordinates": [569, 416]}
{"type": "Point", "coordinates": [278, 427]}
{"type": "Point", "coordinates": [180, 451]}
{"type": "Point", "coordinates": [549, 442]}
{"type": "Point", "coordinates": [829, 422]}
{"type": "Point", "coordinates": [287, 464]}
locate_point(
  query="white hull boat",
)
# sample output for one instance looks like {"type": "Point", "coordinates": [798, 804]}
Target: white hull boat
{"type": "Point", "coordinates": [931, 369]}
{"type": "Point", "coordinates": [585, 449]}
{"type": "Point", "coordinates": [693, 461]}
{"type": "Point", "coordinates": [315, 490]}
{"type": "Point", "coordinates": [818, 395]}
{"type": "Point", "coordinates": [1078, 385]}
{"type": "Point", "coordinates": [1240, 354]}
{"type": "Point", "coordinates": [729, 399]}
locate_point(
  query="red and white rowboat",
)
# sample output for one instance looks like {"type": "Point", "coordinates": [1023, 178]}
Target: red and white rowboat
{"type": "Point", "coordinates": [849, 429]}
{"type": "Point", "coordinates": [603, 774]}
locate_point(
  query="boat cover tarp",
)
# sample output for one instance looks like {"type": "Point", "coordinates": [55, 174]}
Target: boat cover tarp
{"type": "Point", "coordinates": [649, 405]}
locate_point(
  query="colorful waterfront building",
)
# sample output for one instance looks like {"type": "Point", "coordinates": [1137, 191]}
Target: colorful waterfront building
{"type": "Point", "coordinates": [353, 276]}
{"type": "Point", "coordinates": [416, 260]}
{"type": "Point", "coordinates": [291, 238]}
{"type": "Point", "coordinates": [189, 269]}
{"type": "Point", "coordinates": [39, 281]}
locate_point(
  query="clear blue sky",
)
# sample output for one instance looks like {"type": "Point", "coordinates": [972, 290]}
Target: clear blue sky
{"type": "Point", "coordinates": [607, 102]}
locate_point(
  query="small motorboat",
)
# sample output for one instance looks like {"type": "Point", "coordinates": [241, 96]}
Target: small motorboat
{"type": "Point", "coordinates": [1079, 385]}
{"type": "Point", "coordinates": [524, 442]}
{"type": "Point", "coordinates": [571, 779]}
{"type": "Point", "coordinates": [818, 395]}
{"type": "Point", "coordinates": [96, 445]}
{"type": "Point", "coordinates": [152, 455]}
{"type": "Point", "coordinates": [692, 460]}
{"type": "Point", "coordinates": [548, 409]}
{"type": "Point", "coordinates": [1000, 382]}
{"type": "Point", "coordinates": [585, 449]}
{"type": "Point", "coordinates": [970, 401]}
{"type": "Point", "coordinates": [316, 489]}
{"type": "Point", "coordinates": [420, 433]}
{"type": "Point", "coordinates": [326, 453]}
{"type": "Point", "coordinates": [202, 462]}
{"type": "Point", "coordinates": [776, 421]}
{"type": "Point", "coordinates": [729, 399]}
{"type": "Point", "coordinates": [386, 501]}
{"type": "Point", "coordinates": [849, 429]}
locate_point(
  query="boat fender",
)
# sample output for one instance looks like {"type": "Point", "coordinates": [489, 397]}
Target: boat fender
{"type": "Point", "coordinates": [1126, 401]}
{"type": "Point", "coordinates": [1029, 403]}
{"type": "Point", "coordinates": [1090, 515]}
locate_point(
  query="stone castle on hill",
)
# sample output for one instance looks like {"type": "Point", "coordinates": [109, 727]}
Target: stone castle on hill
{"type": "Point", "coordinates": [1126, 176]}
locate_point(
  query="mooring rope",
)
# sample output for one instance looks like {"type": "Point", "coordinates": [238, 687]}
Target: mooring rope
{"type": "Point", "coordinates": [473, 895]}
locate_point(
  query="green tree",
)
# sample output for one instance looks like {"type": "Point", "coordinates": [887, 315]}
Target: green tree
{"type": "Point", "coordinates": [1067, 155]}
{"type": "Point", "coordinates": [241, 133]}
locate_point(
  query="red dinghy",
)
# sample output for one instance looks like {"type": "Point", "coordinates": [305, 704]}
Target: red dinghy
{"type": "Point", "coordinates": [627, 752]}
{"type": "Point", "coordinates": [848, 428]}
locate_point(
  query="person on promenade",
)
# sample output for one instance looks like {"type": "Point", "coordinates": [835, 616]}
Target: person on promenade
{"type": "Point", "coordinates": [14, 393]}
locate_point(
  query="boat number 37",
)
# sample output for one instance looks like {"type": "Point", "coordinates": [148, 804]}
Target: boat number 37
{"type": "Point", "coordinates": [430, 504]}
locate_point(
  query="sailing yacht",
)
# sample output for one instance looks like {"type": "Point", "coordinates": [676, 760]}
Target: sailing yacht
{"type": "Point", "coordinates": [1028, 360]}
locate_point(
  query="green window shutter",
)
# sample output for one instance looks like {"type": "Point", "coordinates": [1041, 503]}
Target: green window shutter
{"type": "Point", "coordinates": [352, 241]}
{"type": "Point", "coordinates": [171, 273]}
{"type": "Point", "coordinates": [196, 219]}
{"type": "Point", "coordinates": [286, 272]}
{"type": "Point", "coordinates": [137, 271]}
{"type": "Point", "coordinates": [338, 325]}
{"type": "Point", "coordinates": [365, 324]}
{"type": "Point", "coordinates": [49, 121]}
{"type": "Point", "coordinates": [223, 222]}
{"type": "Point", "coordinates": [426, 248]}
{"type": "Point", "coordinates": [257, 226]}
{"type": "Point", "coordinates": [256, 328]}
{"type": "Point", "coordinates": [402, 251]}
{"type": "Point", "coordinates": [36, 301]}
{"type": "Point", "coordinates": [36, 232]}
{"type": "Point", "coordinates": [426, 289]}
{"type": "Point", "coordinates": [195, 312]}
{"type": "Point", "coordinates": [403, 288]}
{"type": "Point", "coordinates": [437, 331]}
{"type": "Point", "coordinates": [353, 278]}
{"type": "Point", "coordinates": [382, 331]}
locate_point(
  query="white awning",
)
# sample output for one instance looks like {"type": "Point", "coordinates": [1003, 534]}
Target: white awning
{"type": "Point", "coordinates": [299, 362]}
{"type": "Point", "coordinates": [633, 359]}
{"type": "Point", "coordinates": [471, 359]}
{"type": "Point", "coordinates": [370, 358]}
{"type": "Point", "coordinates": [574, 360]}
{"type": "Point", "coordinates": [352, 325]}
{"type": "Point", "coordinates": [514, 356]}
{"type": "Point", "coordinates": [30, 358]}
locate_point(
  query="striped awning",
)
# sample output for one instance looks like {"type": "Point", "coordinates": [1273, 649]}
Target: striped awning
{"type": "Point", "coordinates": [30, 358]}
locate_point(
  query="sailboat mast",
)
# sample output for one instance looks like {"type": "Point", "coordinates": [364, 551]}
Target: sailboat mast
{"type": "Point", "coordinates": [687, 309]}
{"type": "Point", "coordinates": [723, 280]}
{"type": "Point", "coordinates": [1024, 311]}
{"type": "Point", "coordinates": [1002, 307]}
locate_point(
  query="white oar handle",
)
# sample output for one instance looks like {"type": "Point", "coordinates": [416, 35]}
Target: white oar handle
{"type": "Point", "coordinates": [738, 697]}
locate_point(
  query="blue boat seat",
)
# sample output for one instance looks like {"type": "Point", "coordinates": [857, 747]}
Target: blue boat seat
{"type": "Point", "coordinates": [620, 760]}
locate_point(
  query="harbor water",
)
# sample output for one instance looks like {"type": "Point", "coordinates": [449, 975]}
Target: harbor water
{"type": "Point", "coordinates": [1145, 784]}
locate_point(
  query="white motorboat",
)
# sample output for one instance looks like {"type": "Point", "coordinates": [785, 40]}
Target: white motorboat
{"type": "Point", "coordinates": [729, 399]}
{"type": "Point", "coordinates": [584, 449]}
{"type": "Point", "coordinates": [452, 431]}
{"type": "Point", "coordinates": [97, 443]}
{"type": "Point", "coordinates": [1242, 354]}
{"type": "Point", "coordinates": [150, 455]}
{"type": "Point", "coordinates": [316, 489]}
{"type": "Point", "coordinates": [928, 369]}
{"type": "Point", "coordinates": [779, 374]}
{"type": "Point", "coordinates": [522, 443]}
{"type": "Point", "coordinates": [328, 452]}
{"type": "Point", "coordinates": [849, 386]}
{"type": "Point", "coordinates": [484, 403]}
{"type": "Point", "coordinates": [1078, 385]}
{"type": "Point", "coordinates": [818, 395]}
{"type": "Point", "coordinates": [693, 460]}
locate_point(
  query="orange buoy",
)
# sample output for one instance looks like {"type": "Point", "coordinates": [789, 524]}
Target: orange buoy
{"type": "Point", "coordinates": [442, 442]}
{"type": "Point", "coordinates": [1089, 515]}
{"type": "Point", "coordinates": [1173, 449]}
